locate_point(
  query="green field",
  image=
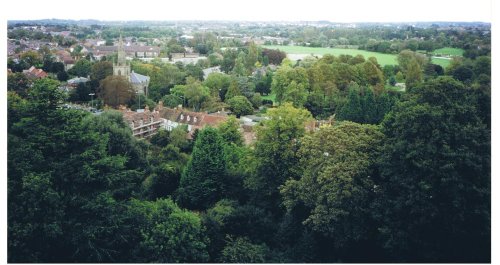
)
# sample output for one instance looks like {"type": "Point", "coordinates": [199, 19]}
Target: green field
{"type": "Point", "coordinates": [270, 96]}
{"type": "Point", "coordinates": [382, 59]}
{"type": "Point", "coordinates": [441, 61]}
{"type": "Point", "coordinates": [448, 51]}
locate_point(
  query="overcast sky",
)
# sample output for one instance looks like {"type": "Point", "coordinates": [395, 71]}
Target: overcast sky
{"type": "Point", "coordinates": [269, 10]}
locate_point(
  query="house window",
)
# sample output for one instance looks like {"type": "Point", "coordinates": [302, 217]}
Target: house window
{"type": "Point", "coordinates": [195, 119]}
{"type": "Point", "coordinates": [182, 117]}
{"type": "Point", "coordinates": [188, 118]}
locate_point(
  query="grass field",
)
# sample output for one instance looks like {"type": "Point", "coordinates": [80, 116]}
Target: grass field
{"type": "Point", "coordinates": [270, 96]}
{"type": "Point", "coordinates": [441, 61]}
{"type": "Point", "coordinates": [448, 51]}
{"type": "Point", "coordinates": [382, 59]}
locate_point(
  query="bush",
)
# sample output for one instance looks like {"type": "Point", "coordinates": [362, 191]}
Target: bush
{"type": "Point", "coordinates": [267, 102]}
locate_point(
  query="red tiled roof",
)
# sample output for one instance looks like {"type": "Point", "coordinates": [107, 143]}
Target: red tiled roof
{"type": "Point", "coordinates": [182, 116]}
{"type": "Point", "coordinates": [212, 120]}
{"type": "Point", "coordinates": [35, 73]}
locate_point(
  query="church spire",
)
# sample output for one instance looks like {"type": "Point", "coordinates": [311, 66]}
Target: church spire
{"type": "Point", "coordinates": [121, 52]}
{"type": "Point", "coordinates": [120, 41]}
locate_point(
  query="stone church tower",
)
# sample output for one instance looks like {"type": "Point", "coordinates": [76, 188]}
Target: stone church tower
{"type": "Point", "coordinates": [121, 67]}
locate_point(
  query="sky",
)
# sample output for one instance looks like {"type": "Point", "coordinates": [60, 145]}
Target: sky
{"type": "Point", "coordinates": [255, 10]}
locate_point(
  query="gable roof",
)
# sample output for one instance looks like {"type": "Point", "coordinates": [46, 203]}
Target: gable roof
{"type": "Point", "coordinates": [35, 73]}
{"type": "Point", "coordinates": [199, 119]}
{"type": "Point", "coordinates": [136, 78]}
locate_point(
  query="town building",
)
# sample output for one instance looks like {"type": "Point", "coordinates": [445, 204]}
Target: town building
{"type": "Point", "coordinates": [208, 71]}
{"type": "Point", "coordinates": [121, 67]}
{"type": "Point", "coordinates": [143, 124]}
{"type": "Point", "coordinates": [194, 120]}
{"type": "Point", "coordinates": [133, 51]}
{"type": "Point", "coordinates": [34, 73]}
{"type": "Point", "coordinates": [74, 82]}
{"type": "Point", "coordinates": [64, 57]}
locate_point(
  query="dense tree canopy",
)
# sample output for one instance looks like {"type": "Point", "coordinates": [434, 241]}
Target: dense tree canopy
{"type": "Point", "coordinates": [115, 91]}
{"type": "Point", "coordinates": [202, 182]}
{"type": "Point", "coordinates": [337, 183]}
{"type": "Point", "coordinates": [276, 149]}
{"type": "Point", "coordinates": [436, 176]}
{"type": "Point", "coordinates": [240, 105]}
{"type": "Point", "coordinates": [346, 165]}
{"type": "Point", "coordinates": [76, 183]}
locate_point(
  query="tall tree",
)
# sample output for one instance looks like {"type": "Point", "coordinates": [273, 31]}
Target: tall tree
{"type": "Point", "coordinates": [64, 196]}
{"type": "Point", "coordinates": [283, 78]}
{"type": "Point", "coordinates": [276, 152]}
{"type": "Point", "coordinates": [202, 181]}
{"type": "Point", "coordinates": [82, 67]}
{"type": "Point", "coordinates": [229, 131]}
{"type": "Point", "coordinates": [295, 93]}
{"type": "Point", "coordinates": [338, 165]}
{"type": "Point", "coordinates": [116, 90]}
{"type": "Point", "coordinates": [196, 93]}
{"type": "Point", "coordinates": [414, 74]}
{"type": "Point", "coordinates": [352, 109]}
{"type": "Point", "coordinates": [18, 83]}
{"type": "Point", "coordinates": [240, 105]}
{"type": "Point", "coordinates": [101, 70]}
{"type": "Point", "coordinates": [435, 203]}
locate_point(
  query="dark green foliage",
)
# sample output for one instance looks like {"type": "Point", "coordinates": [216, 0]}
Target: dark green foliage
{"type": "Point", "coordinates": [100, 70]}
{"type": "Point", "coordinates": [276, 153]}
{"type": "Point", "coordinates": [240, 105]}
{"type": "Point", "coordinates": [172, 101]}
{"type": "Point", "coordinates": [229, 131]}
{"type": "Point", "coordinates": [202, 181]}
{"type": "Point", "coordinates": [463, 73]}
{"type": "Point", "coordinates": [263, 84]}
{"type": "Point", "coordinates": [337, 184]}
{"type": "Point", "coordinates": [161, 139]}
{"type": "Point", "coordinates": [166, 172]}
{"type": "Point", "coordinates": [267, 102]}
{"type": "Point", "coordinates": [392, 81]}
{"type": "Point", "coordinates": [66, 178]}
{"type": "Point", "coordinates": [352, 109]}
{"type": "Point", "coordinates": [251, 221]}
{"type": "Point", "coordinates": [166, 233]}
{"type": "Point", "coordinates": [435, 197]}
{"type": "Point", "coordinates": [82, 68]}
{"type": "Point", "coordinates": [293, 241]}
{"type": "Point", "coordinates": [81, 93]}
{"type": "Point", "coordinates": [274, 56]}
{"type": "Point", "coordinates": [215, 221]}
{"type": "Point", "coordinates": [366, 107]}
{"type": "Point", "coordinates": [241, 250]}
{"type": "Point", "coordinates": [62, 76]}
{"type": "Point", "coordinates": [18, 83]}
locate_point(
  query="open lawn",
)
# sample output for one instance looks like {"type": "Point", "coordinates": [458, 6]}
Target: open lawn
{"type": "Point", "coordinates": [382, 59]}
{"type": "Point", "coordinates": [448, 51]}
{"type": "Point", "coordinates": [270, 96]}
{"type": "Point", "coordinates": [441, 61]}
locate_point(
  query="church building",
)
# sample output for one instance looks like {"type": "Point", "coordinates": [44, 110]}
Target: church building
{"type": "Point", "coordinates": [139, 82]}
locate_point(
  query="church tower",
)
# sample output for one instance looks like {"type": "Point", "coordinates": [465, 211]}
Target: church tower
{"type": "Point", "coordinates": [121, 67]}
